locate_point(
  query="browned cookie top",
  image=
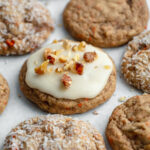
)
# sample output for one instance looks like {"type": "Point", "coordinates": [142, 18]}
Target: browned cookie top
{"type": "Point", "coordinates": [136, 62]}
{"type": "Point", "coordinates": [106, 23]}
{"type": "Point", "coordinates": [129, 125]}
{"type": "Point", "coordinates": [24, 26]}
{"type": "Point", "coordinates": [54, 132]}
{"type": "Point", "coordinates": [4, 93]}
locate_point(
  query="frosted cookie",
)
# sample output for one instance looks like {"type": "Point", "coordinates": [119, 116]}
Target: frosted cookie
{"type": "Point", "coordinates": [68, 77]}
{"type": "Point", "coordinates": [54, 132]}
{"type": "Point", "coordinates": [105, 23]}
{"type": "Point", "coordinates": [129, 125]}
{"type": "Point", "coordinates": [4, 93]}
{"type": "Point", "coordinates": [24, 26]}
{"type": "Point", "coordinates": [135, 64]}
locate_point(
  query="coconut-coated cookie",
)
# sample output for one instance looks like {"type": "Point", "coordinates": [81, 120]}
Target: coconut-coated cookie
{"type": "Point", "coordinates": [68, 89]}
{"type": "Point", "coordinates": [54, 132]}
{"type": "Point", "coordinates": [135, 64]}
{"type": "Point", "coordinates": [105, 23]}
{"type": "Point", "coordinates": [129, 125]}
{"type": "Point", "coordinates": [24, 26]}
{"type": "Point", "coordinates": [4, 93]}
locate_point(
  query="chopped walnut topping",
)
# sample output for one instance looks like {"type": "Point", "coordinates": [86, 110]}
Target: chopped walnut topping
{"type": "Point", "coordinates": [68, 65]}
{"type": "Point", "coordinates": [51, 59]}
{"type": "Point", "coordinates": [47, 53]}
{"type": "Point", "coordinates": [66, 80]}
{"type": "Point", "coordinates": [76, 57]}
{"type": "Point", "coordinates": [59, 70]}
{"type": "Point", "coordinates": [107, 67]}
{"type": "Point", "coordinates": [55, 41]}
{"type": "Point", "coordinates": [42, 68]}
{"type": "Point", "coordinates": [79, 68]}
{"type": "Point", "coordinates": [66, 45]}
{"type": "Point", "coordinates": [75, 48]}
{"type": "Point", "coordinates": [89, 56]}
{"type": "Point", "coordinates": [63, 59]}
{"type": "Point", "coordinates": [58, 52]}
{"type": "Point", "coordinates": [73, 68]}
{"type": "Point", "coordinates": [81, 46]}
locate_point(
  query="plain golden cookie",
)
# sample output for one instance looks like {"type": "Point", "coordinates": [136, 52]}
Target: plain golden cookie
{"type": "Point", "coordinates": [105, 23]}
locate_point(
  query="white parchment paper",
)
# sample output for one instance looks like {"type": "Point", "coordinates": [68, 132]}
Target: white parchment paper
{"type": "Point", "coordinates": [20, 109]}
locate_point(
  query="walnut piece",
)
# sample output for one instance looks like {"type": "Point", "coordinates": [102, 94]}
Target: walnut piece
{"type": "Point", "coordinates": [42, 68]}
{"type": "Point", "coordinates": [47, 53]}
{"type": "Point", "coordinates": [51, 59]}
{"type": "Point", "coordinates": [79, 68]}
{"type": "Point", "coordinates": [89, 56]}
{"type": "Point", "coordinates": [63, 59]}
{"type": "Point", "coordinates": [59, 70]}
{"type": "Point", "coordinates": [66, 45]}
{"type": "Point", "coordinates": [66, 80]}
{"type": "Point", "coordinates": [81, 46]}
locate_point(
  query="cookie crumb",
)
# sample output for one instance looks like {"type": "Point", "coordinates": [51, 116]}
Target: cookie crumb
{"type": "Point", "coordinates": [82, 46]}
{"type": "Point", "coordinates": [89, 56]}
{"type": "Point", "coordinates": [58, 70]}
{"type": "Point", "coordinates": [122, 99]}
{"type": "Point", "coordinates": [66, 45]}
{"type": "Point", "coordinates": [95, 113]}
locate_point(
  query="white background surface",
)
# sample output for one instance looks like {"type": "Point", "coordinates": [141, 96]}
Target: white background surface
{"type": "Point", "coordinates": [20, 109]}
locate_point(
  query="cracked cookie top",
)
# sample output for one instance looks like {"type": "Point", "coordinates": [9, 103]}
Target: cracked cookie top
{"type": "Point", "coordinates": [129, 125]}
{"type": "Point", "coordinates": [106, 23]}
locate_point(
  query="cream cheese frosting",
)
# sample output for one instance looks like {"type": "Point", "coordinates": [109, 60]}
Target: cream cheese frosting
{"type": "Point", "coordinates": [87, 85]}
